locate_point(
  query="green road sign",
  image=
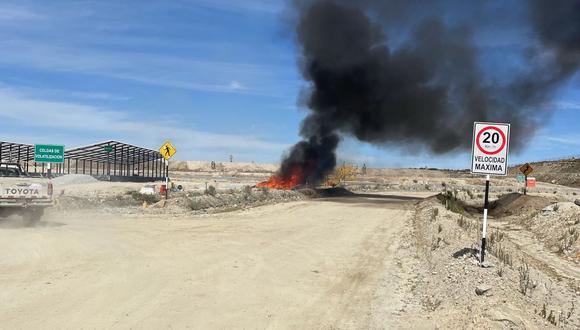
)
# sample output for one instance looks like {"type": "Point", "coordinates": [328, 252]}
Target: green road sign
{"type": "Point", "coordinates": [521, 178]}
{"type": "Point", "coordinates": [108, 148]}
{"type": "Point", "coordinates": [44, 153]}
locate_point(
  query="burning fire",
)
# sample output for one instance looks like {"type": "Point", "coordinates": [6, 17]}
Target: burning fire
{"type": "Point", "coordinates": [278, 182]}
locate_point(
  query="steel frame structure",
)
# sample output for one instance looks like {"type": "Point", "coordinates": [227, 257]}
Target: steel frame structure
{"type": "Point", "coordinates": [108, 158]}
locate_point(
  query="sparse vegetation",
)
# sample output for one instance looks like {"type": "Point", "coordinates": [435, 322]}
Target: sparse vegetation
{"type": "Point", "coordinates": [526, 285]}
{"type": "Point", "coordinates": [504, 256]}
{"type": "Point", "coordinates": [500, 271]}
{"type": "Point", "coordinates": [342, 174]}
{"type": "Point", "coordinates": [470, 194]}
{"type": "Point", "coordinates": [436, 243]}
{"type": "Point", "coordinates": [466, 223]}
{"type": "Point", "coordinates": [210, 191]}
{"type": "Point", "coordinates": [451, 202]}
{"type": "Point", "coordinates": [149, 199]}
{"type": "Point", "coordinates": [434, 214]}
{"type": "Point", "coordinates": [568, 238]}
{"type": "Point", "coordinates": [495, 237]}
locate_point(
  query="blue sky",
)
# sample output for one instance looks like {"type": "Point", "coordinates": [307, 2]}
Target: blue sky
{"type": "Point", "coordinates": [216, 77]}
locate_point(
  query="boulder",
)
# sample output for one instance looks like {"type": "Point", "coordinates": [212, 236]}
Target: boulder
{"type": "Point", "coordinates": [482, 289]}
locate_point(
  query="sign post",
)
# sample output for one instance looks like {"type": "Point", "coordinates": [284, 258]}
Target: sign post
{"type": "Point", "coordinates": [167, 151]}
{"type": "Point", "coordinates": [526, 169]}
{"type": "Point", "coordinates": [489, 156]}
{"type": "Point", "coordinates": [46, 153]}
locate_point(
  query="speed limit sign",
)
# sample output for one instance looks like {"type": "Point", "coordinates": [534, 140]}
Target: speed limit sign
{"type": "Point", "coordinates": [490, 148]}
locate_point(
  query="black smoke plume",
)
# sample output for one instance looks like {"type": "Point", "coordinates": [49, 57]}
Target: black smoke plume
{"type": "Point", "coordinates": [426, 87]}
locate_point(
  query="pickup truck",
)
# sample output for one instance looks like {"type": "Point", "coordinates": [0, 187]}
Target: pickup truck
{"type": "Point", "coordinates": [23, 195]}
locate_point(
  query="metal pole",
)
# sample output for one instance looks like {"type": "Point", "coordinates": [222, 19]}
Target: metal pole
{"type": "Point", "coordinates": [48, 168]}
{"type": "Point", "coordinates": [108, 163]}
{"type": "Point", "coordinates": [149, 165]}
{"type": "Point", "coordinates": [122, 165]}
{"type": "Point", "coordinates": [166, 178]}
{"type": "Point", "coordinates": [525, 185]}
{"type": "Point", "coordinates": [27, 158]}
{"type": "Point", "coordinates": [484, 230]}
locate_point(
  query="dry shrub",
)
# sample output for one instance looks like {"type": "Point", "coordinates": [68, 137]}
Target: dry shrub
{"type": "Point", "coordinates": [434, 214]}
{"type": "Point", "coordinates": [503, 255]}
{"type": "Point", "coordinates": [526, 284]}
{"type": "Point", "coordinates": [210, 191]}
{"type": "Point", "coordinates": [149, 199]}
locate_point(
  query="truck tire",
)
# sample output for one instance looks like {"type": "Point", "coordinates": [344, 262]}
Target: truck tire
{"type": "Point", "coordinates": [32, 216]}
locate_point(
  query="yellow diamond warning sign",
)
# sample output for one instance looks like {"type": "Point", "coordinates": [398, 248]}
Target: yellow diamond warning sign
{"type": "Point", "coordinates": [167, 150]}
{"type": "Point", "coordinates": [526, 169]}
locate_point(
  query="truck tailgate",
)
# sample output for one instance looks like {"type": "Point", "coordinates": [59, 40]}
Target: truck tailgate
{"type": "Point", "coordinates": [27, 190]}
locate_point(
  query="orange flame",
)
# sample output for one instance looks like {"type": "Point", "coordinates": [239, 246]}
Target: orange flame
{"type": "Point", "coordinates": [278, 182]}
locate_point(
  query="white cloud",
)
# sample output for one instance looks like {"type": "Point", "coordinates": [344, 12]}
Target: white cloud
{"type": "Point", "coordinates": [14, 13]}
{"type": "Point", "coordinates": [563, 105]}
{"type": "Point", "coordinates": [156, 70]}
{"type": "Point", "coordinates": [569, 105]}
{"type": "Point", "coordinates": [236, 85]}
{"type": "Point", "coordinates": [566, 139]}
{"type": "Point", "coordinates": [258, 6]}
{"type": "Point", "coordinates": [70, 118]}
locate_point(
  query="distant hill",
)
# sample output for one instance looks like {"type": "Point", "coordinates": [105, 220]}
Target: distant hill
{"type": "Point", "coordinates": [205, 166]}
{"type": "Point", "coordinates": [564, 172]}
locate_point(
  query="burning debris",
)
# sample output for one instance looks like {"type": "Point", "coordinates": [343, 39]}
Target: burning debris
{"type": "Point", "coordinates": [426, 88]}
{"type": "Point", "coordinates": [277, 182]}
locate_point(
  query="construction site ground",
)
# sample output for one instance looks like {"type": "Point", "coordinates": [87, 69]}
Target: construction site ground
{"type": "Point", "coordinates": [389, 255]}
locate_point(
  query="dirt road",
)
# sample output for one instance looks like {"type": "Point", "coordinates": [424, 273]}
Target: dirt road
{"type": "Point", "coordinates": [312, 264]}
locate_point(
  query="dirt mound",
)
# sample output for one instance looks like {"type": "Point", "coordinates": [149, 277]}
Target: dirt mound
{"type": "Point", "coordinates": [326, 192]}
{"type": "Point", "coordinates": [558, 227]}
{"type": "Point", "coordinates": [223, 201]}
{"type": "Point", "coordinates": [73, 179]}
{"type": "Point", "coordinates": [206, 166]}
{"type": "Point", "coordinates": [97, 202]}
{"type": "Point", "coordinates": [517, 204]}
